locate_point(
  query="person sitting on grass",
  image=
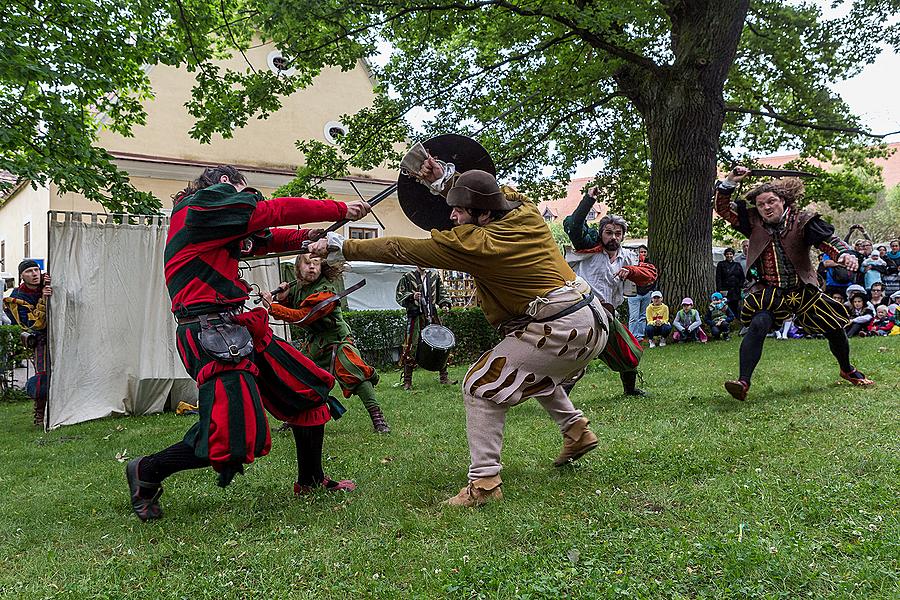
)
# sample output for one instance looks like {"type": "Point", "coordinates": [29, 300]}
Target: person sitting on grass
{"type": "Point", "coordinates": [719, 317]}
{"type": "Point", "coordinates": [313, 305]}
{"type": "Point", "coordinates": [877, 296]}
{"type": "Point", "coordinates": [894, 302]}
{"type": "Point", "coordinates": [657, 320]}
{"type": "Point", "coordinates": [860, 316]}
{"type": "Point", "coordinates": [882, 324]}
{"type": "Point", "coordinates": [687, 323]}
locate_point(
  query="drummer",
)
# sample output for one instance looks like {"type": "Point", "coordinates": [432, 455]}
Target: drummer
{"type": "Point", "coordinates": [552, 327]}
{"type": "Point", "coordinates": [420, 292]}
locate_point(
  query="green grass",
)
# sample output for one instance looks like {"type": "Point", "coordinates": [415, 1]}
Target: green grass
{"type": "Point", "coordinates": [690, 494]}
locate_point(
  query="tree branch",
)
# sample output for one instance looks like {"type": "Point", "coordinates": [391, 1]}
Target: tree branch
{"type": "Point", "coordinates": [231, 35]}
{"type": "Point", "coordinates": [526, 147]}
{"type": "Point", "coordinates": [589, 36]}
{"type": "Point", "coordinates": [789, 121]}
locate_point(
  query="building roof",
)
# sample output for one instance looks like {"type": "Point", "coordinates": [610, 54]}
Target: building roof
{"type": "Point", "coordinates": [563, 207]}
{"type": "Point", "coordinates": [7, 179]}
{"type": "Point", "coordinates": [890, 166]}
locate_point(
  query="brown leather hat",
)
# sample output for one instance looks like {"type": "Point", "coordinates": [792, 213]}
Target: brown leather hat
{"type": "Point", "coordinates": [478, 189]}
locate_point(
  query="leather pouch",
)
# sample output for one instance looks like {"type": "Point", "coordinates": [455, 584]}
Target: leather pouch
{"type": "Point", "coordinates": [225, 341]}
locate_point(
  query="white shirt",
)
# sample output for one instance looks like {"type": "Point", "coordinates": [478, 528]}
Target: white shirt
{"type": "Point", "coordinates": [600, 272]}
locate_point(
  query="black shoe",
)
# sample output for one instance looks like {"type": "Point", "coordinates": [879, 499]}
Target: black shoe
{"type": "Point", "coordinates": [145, 508]}
{"type": "Point", "coordinates": [635, 392]}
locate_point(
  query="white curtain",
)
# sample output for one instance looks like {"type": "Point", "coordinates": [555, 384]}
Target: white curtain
{"type": "Point", "coordinates": [380, 291]}
{"type": "Point", "coordinates": [112, 335]}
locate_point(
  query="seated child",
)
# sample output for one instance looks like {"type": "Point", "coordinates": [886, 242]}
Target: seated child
{"type": "Point", "coordinates": [657, 320]}
{"type": "Point", "coordinates": [882, 324]}
{"type": "Point", "coordinates": [860, 315]}
{"type": "Point", "coordinates": [719, 317]}
{"type": "Point", "coordinates": [687, 323]}
{"type": "Point", "coordinates": [327, 337]}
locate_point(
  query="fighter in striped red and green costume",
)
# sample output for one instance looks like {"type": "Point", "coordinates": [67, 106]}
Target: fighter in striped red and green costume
{"type": "Point", "coordinates": [213, 222]}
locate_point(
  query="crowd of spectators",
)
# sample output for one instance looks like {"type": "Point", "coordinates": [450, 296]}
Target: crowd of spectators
{"type": "Point", "coordinates": [871, 295]}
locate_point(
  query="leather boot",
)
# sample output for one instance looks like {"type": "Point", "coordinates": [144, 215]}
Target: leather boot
{"type": "Point", "coordinates": [445, 379]}
{"type": "Point", "coordinates": [407, 377]}
{"type": "Point", "coordinates": [478, 492]}
{"type": "Point", "coordinates": [578, 440]}
{"type": "Point", "coordinates": [379, 423]}
{"type": "Point", "coordinates": [629, 384]}
{"type": "Point", "coordinates": [40, 405]}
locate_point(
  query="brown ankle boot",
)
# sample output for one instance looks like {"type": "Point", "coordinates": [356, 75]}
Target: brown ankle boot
{"type": "Point", "coordinates": [40, 406]}
{"type": "Point", "coordinates": [578, 440]}
{"type": "Point", "coordinates": [478, 492]}
{"type": "Point", "coordinates": [379, 423]}
{"type": "Point", "coordinates": [407, 377]}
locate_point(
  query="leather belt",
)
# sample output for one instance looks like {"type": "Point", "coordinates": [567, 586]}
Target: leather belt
{"type": "Point", "coordinates": [196, 319]}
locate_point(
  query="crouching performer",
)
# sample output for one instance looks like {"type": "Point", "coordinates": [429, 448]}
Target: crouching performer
{"type": "Point", "coordinates": [239, 365]}
{"type": "Point", "coordinates": [551, 323]}
{"type": "Point", "coordinates": [314, 305]}
{"type": "Point", "coordinates": [780, 239]}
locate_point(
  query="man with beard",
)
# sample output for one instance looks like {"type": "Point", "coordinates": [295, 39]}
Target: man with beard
{"type": "Point", "coordinates": [780, 239]}
{"type": "Point", "coordinates": [551, 324]}
{"type": "Point", "coordinates": [600, 259]}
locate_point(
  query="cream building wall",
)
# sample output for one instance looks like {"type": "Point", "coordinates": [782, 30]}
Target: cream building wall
{"type": "Point", "coordinates": [161, 157]}
{"type": "Point", "coordinates": [25, 205]}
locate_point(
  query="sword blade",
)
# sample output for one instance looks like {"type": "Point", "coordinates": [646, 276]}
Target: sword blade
{"type": "Point", "coordinates": [780, 173]}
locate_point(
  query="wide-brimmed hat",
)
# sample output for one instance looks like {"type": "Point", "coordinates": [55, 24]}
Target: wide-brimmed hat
{"type": "Point", "coordinates": [479, 189]}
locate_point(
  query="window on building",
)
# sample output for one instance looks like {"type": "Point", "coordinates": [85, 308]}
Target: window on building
{"type": "Point", "coordinates": [363, 233]}
{"type": "Point", "coordinates": [2, 256]}
{"type": "Point", "coordinates": [28, 240]}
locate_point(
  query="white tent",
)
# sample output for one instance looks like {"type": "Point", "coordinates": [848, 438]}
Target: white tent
{"type": "Point", "coordinates": [112, 335]}
{"type": "Point", "coordinates": [380, 290]}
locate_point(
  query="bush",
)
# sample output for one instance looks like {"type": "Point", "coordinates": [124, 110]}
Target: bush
{"type": "Point", "coordinates": [474, 335]}
{"type": "Point", "coordinates": [11, 352]}
{"type": "Point", "coordinates": [11, 348]}
{"type": "Point", "coordinates": [379, 334]}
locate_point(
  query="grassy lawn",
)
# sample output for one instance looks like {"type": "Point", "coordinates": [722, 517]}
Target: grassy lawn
{"type": "Point", "coordinates": [793, 494]}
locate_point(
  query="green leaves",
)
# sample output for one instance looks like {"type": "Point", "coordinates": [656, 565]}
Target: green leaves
{"type": "Point", "coordinates": [551, 84]}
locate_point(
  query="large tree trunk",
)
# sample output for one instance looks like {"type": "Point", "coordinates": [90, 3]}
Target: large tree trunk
{"type": "Point", "coordinates": [683, 110]}
{"type": "Point", "coordinates": [683, 139]}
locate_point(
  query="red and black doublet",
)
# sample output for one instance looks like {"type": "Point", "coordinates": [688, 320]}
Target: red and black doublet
{"type": "Point", "coordinates": [206, 231]}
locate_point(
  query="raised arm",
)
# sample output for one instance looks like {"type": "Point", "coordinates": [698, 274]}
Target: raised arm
{"type": "Point", "coordinates": [575, 226]}
{"type": "Point", "coordinates": [722, 200]}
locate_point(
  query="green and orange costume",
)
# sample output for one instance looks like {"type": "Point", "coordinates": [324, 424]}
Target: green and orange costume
{"type": "Point", "coordinates": [327, 341]}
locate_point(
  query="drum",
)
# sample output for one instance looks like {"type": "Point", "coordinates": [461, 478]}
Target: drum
{"type": "Point", "coordinates": [434, 347]}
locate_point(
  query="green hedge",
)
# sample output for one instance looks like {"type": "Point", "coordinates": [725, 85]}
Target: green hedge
{"type": "Point", "coordinates": [379, 334]}
{"type": "Point", "coordinates": [11, 348]}
{"type": "Point", "coordinates": [11, 351]}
